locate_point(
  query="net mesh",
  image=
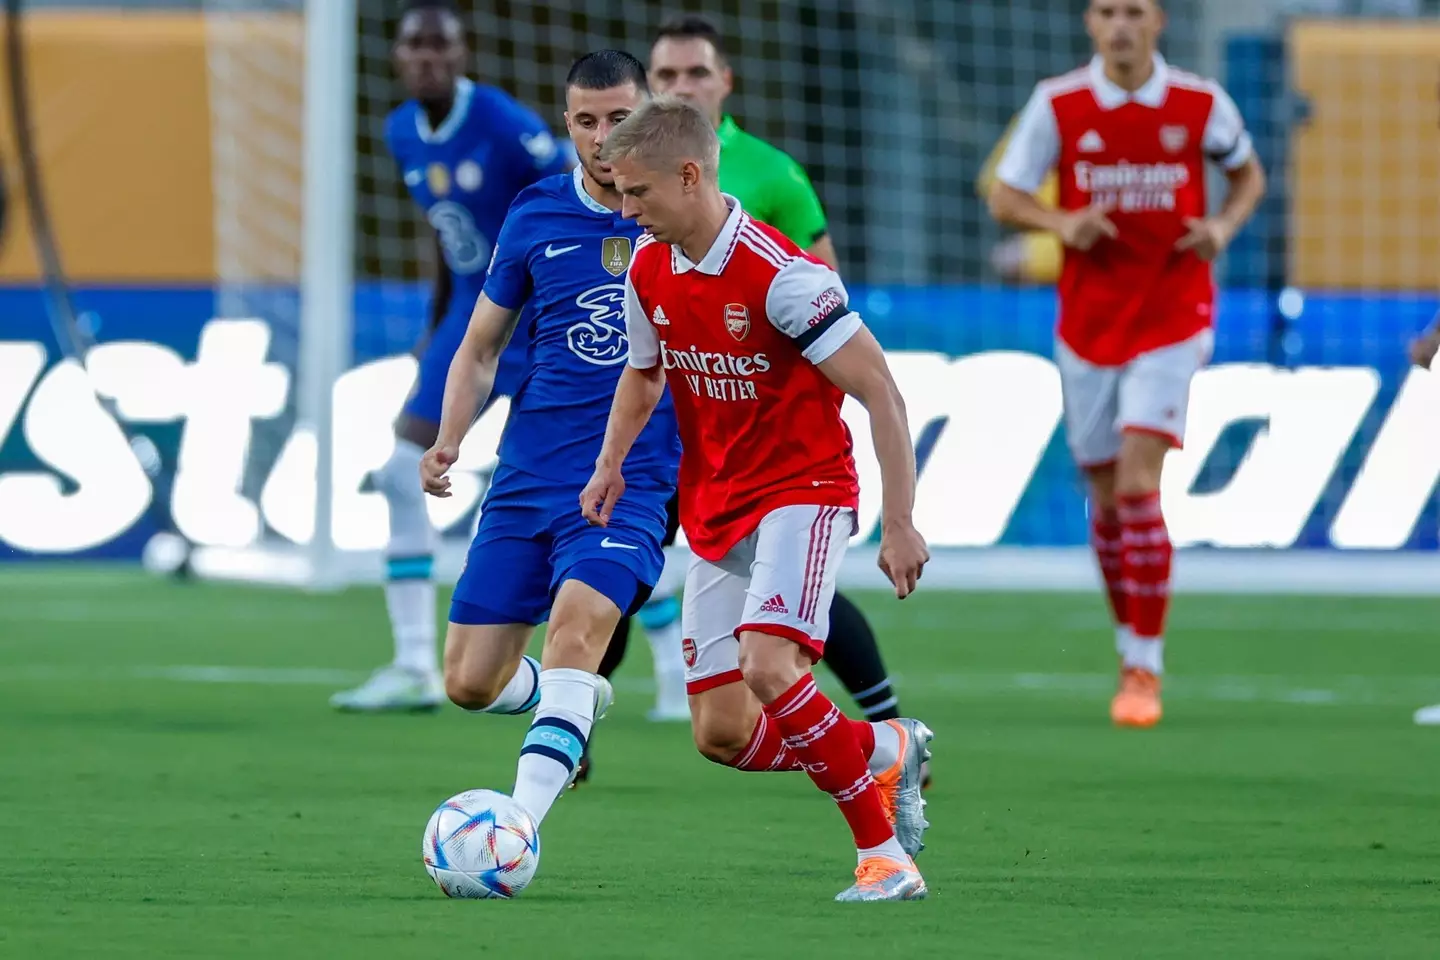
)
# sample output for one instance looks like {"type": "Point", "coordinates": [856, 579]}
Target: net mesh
{"type": "Point", "coordinates": [894, 108]}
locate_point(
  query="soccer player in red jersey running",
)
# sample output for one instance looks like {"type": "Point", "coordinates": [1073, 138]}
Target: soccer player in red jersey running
{"type": "Point", "coordinates": [759, 347]}
{"type": "Point", "coordinates": [1130, 136]}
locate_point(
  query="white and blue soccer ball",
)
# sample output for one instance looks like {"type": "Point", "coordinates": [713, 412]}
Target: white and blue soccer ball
{"type": "Point", "coordinates": [481, 845]}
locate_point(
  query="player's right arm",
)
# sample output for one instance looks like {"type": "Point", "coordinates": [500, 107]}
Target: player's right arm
{"type": "Point", "coordinates": [641, 385]}
{"type": "Point", "coordinates": [468, 385]}
{"type": "Point", "coordinates": [1031, 154]}
{"type": "Point", "coordinates": [472, 371]}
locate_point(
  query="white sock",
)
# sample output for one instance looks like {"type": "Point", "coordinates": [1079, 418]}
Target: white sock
{"type": "Point", "coordinates": [665, 647]}
{"type": "Point", "coordinates": [890, 849]}
{"type": "Point", "coordinates": [557, 738]}
{"type": "Point", "coordinates": [522, 693]}
{"type": "Point", "coordinates": [887, 748]}
{"type": "Point", "coordinates": [1123, 637]}
{"type": "Point", "coordinates": [1145, 654]}
{"type": "Point", "coordinates": [410, 559]}
{"type": "Point", "coordinates": [412, 623]}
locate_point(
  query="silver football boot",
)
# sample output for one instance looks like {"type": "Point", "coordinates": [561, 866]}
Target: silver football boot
{"type": "Point", "coordinates": [900, 785]}
{"type": "Point", "coordinates": [880, 878]}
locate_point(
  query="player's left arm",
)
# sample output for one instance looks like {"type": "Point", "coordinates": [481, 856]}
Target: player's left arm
{"type": "Point", "coordinates": [1225, 142]}
{"type": "Point", "coordinates": [641, 385]}
{"type": "Point", "coordinates": [799, 214]}
{"type": "Point", "coordinates": [809, 305]}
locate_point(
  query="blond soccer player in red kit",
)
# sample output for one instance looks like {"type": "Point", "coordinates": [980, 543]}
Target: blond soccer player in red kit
{"type": "Point", "coordinates": [759, 347]}
{"type": "Point", "coordinates": [1130, 136]}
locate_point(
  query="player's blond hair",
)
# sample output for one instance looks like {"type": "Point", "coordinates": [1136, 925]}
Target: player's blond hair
{"type": "Point", "coordinates": [662, 131]}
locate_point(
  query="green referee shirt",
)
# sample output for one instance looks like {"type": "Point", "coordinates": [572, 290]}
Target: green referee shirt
{"type": "Point", "coordinates": [769, 184]}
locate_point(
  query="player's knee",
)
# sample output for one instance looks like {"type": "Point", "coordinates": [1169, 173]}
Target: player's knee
{"type": "Point", "coordinates": [579, 645]}
{"type": "Point", "coordinates": [470, 690]}
{"type": "Point", "coordinates": [770, 665]}
{"type": "Point", "coordinates": [1101, 479]}
{"type": "Point", "coordinates": [1138, 471]}
{"type": "Point", "coordinates": [718, 740]}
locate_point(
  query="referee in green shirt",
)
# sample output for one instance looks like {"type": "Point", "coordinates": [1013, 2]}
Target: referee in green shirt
{"type": "Point", "coordinates": [688, 60]}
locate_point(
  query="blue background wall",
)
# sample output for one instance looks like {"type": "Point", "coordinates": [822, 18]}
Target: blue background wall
{"type": "Point", "coordinates": [1344, 330]}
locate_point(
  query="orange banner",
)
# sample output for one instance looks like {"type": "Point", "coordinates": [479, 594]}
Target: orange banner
{"type": "Point", "coordinates": [121, 123]}
{"type": "Point", "coordinates": [1365, 193]}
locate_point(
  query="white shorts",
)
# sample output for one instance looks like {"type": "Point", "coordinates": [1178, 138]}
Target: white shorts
{"type": "Point", "coordinates": [779, 580]}
{"type": "Point", "coordinates": [1150, 394]}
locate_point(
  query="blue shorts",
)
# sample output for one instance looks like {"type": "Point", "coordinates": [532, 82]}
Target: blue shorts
{"type": "Point", "coordinates": [427, 398]}
{"type": "Point", "coordinates": [532, 538]}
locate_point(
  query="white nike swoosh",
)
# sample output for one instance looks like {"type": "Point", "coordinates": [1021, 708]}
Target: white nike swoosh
{"type": "Point", "coordinates": [551, 251]}
{"type": "Point", "coordinates": [607, 542]}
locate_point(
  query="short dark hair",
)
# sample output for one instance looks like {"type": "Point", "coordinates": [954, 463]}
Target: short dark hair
{"type": "Point", "coordinates": [604, 69]}
{"type": "Point", "coordinates": [692, 26]}
{"type": "Point", "coordinates": [445, 6]}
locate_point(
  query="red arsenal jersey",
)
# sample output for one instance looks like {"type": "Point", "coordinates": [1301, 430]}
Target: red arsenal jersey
{"type": "Point", "coordinates": [1144, 153]}
{"type": "Point", "coordinates": [739, 335]}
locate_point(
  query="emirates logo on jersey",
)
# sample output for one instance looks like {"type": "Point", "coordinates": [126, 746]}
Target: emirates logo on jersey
{"type": "Point", "coordinates": [737, 320]}
{"type": "Point", "coordinates": [1133, 187]}
{"type": "Point", "coordinates": [1174, 138]}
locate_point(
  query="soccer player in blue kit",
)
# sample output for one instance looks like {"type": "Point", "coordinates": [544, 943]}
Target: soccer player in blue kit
{"type": "Point", "coordinates": [562, 254]}
{"type": "Point", "coordinates": [465, 150]}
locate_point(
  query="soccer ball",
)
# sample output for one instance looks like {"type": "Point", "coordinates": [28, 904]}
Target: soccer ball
{"type": "Point", "coordinates": [481, 845]}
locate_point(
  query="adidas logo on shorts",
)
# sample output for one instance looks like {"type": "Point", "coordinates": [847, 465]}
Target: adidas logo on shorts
{"type": "Point", "coordinates": [775, 604]}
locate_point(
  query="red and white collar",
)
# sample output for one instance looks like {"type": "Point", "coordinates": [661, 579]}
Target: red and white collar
{"type": "Point", "coordinates": [1110, 95]}
{"type": "Point", "coordinates": [720, 251]}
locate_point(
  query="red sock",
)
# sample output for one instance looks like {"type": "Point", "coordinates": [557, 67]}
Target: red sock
{"type": "Point", "coordinates": [1146, 564]}
{"type": "Point", "coordinates": [766, 750]}
{"type": "Point", "coordinates": [829, 750]}
{"type": "Point", "coordinates": [1105, 537]}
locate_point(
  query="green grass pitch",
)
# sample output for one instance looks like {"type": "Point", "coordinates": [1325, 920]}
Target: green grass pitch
{"type": "Point", "coordinates": [172, 784]}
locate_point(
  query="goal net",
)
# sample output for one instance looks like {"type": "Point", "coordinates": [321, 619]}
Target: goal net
{"type": "Point", "coordinates": [1306, 435]}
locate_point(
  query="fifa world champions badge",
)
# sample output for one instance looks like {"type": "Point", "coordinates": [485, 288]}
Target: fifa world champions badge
{"type": "Point", "coordinates": [615, 255]}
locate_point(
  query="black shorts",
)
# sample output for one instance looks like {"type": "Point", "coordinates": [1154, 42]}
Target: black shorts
{"type": "Point", "coordinates": [672, 521]}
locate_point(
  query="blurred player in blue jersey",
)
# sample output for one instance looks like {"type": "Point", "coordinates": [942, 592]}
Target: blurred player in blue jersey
{"type": "Point", "coordinates": [465, 150]}
{"type": "Point", "coordinates": [562, 255]}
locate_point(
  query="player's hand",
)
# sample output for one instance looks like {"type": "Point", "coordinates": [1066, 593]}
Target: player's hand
{"type": "Point", "coordinates": [1423, 348]}
{"type": "Point", "coordinates": [903, 556]}
{"type": "Point", "coordinates": [597, 500]}
{"type": "Point", "coordinates": [1084, 228]}
{"type": "Point", "coordinates": [1206, 237]}
{"type": "Point", "coordinates": [433, 466]}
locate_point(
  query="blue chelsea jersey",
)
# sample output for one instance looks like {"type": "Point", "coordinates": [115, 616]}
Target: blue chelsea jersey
{"type": "Point", "coordinates": [466, 173]}
{"type": "Point", "coordinates": [566, 255]}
